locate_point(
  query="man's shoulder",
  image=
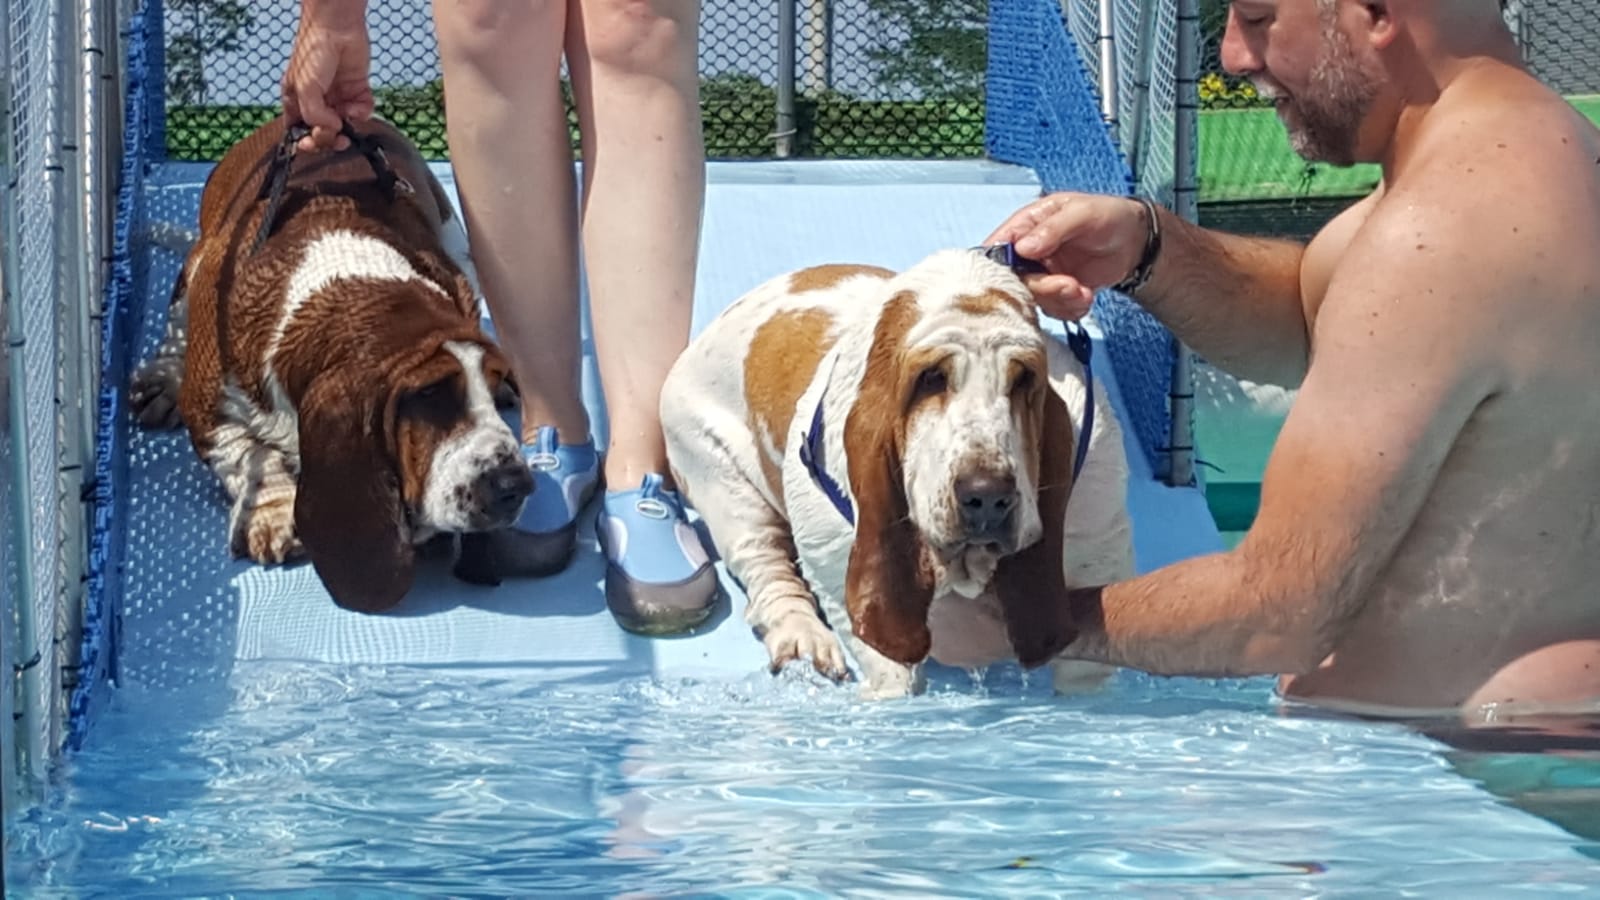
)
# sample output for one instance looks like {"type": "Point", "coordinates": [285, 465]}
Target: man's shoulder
{"type": "Point", "coordinates": [1444, 243]}
{"type": "Point", "coordinates": [1511, 145]}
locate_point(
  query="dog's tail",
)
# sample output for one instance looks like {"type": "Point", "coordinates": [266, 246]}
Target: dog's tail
{"type": "Point", "coordinates": [154, 386]}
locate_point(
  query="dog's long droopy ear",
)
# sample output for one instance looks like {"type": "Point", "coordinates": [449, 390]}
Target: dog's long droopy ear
{"type": "Point", "coordinates": [348, 509]}
{"type": "Point", "coordinates": [888, 589]}
{"type": "Point", "coordinates": [1031, 584]}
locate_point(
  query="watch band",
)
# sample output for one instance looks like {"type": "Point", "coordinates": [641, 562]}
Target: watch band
{"type": "Point", "coordinates": [1140, 275]}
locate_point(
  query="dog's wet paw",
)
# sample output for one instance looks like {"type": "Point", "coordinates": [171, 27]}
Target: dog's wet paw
{"type": "Point", "coordinates": [801, 636]}
{"type": "Point", "coordinates": [265, 533]}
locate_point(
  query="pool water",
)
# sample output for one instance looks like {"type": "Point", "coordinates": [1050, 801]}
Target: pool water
{"type": "Point", "coordinates": [331, 780]}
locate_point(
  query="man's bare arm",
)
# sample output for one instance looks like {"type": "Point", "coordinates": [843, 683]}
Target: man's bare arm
{"type": "Point", "coordinates": [1400, 365]}
{"type": "Point", "coordinates": [1235, 299]}
{"type": "Point", "coordinates": [1231, 298]}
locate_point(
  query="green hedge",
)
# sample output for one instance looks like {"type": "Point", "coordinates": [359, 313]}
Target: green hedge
{"type": "Point", "coordinates": [1243, 152]}
{"type": "Point", "coordinates": [829, 126]}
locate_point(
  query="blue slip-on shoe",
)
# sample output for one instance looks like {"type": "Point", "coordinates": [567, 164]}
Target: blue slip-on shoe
{"type": "Point", "coordinates": [659, 579]}
{"type": "Point", "coordinates": [565, 478]}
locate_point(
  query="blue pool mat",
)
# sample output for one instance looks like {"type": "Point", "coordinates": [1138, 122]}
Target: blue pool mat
{"type": "Point", "coordinates": [190, 612]}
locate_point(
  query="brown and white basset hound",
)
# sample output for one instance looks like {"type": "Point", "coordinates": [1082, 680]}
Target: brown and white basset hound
{"type": "Point", "coordinates": [334, 372]}
{"type": "Point", "coordinates": [885, 461]}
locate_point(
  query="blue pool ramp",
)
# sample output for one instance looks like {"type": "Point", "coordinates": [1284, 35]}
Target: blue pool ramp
{"type": "Point", "coordinates": [190, 613]}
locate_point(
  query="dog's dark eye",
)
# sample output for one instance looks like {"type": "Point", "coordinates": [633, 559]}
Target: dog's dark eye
{"type": "Point", "coordinates": [430, 390]}
{"type": "Point", "coordinates": [932, 381]}
{"type": "Point", "coordinates": [436, 401]}
{"type": "Point", "coordinates": [1023, 382]}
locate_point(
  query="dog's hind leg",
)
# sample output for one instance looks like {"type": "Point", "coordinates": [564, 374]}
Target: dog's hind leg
{"type": "Point", "coordinates": [155, 383]}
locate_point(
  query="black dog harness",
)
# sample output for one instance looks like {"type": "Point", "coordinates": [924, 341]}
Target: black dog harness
{"type": "Point", "coordinates": [272, 186]}
{"type": "Point", "coordinates": [1078, 341]}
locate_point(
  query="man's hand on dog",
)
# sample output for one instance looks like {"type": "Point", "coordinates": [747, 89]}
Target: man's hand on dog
{"type": "Point", "coordinates": [1085, 241]}
{"type": "Point", "coordinates": [327, 79]}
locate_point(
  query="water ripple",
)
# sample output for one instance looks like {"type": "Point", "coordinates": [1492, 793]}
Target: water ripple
{"type": "Point", "coordinates": [382, 782]}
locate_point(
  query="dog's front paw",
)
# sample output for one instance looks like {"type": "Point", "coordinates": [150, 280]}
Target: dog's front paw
{"type": "Point", "coordinates": [896, 685]}
{"type": "Point", "coordinates": [798, 636]}
{"type": "Point", "coordinates": [1078, 676]}
{"type": "Point", "coordinates": [265, 533]}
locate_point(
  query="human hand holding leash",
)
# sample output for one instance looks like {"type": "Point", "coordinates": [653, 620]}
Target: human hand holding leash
{"type": "Point", "coordinates": [327, 79]}
{"type": "Point", "coordinates": [1084, 241]}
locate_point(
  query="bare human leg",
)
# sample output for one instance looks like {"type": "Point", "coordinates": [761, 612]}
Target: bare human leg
{"type": "Point", "coordinates": [636, 83]}
{"type": "Point", "coordinates": [512, 154]}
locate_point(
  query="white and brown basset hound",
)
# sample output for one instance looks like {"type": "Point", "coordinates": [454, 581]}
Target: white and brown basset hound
{"type": "Point", "coordinates": [885, 461]}
{"type": "Point", "coordinates": [324, 350]}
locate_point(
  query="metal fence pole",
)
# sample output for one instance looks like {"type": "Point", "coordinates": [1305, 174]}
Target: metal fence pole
{"type": "Point", "coordinates": [1515, 14]}
{"type": "Point", "coordinates": [1186, 197]}
{"type": "Point", "coordinates": [1138, 126]}
{"type": "Point", "coordinates": [14, 516]}
{"type": "Point", "coordinates": [1110, 107]}
{"type": "Point", "coordinates": [818, 63]}
{"type": "Point", "coordinates": [99, 91]}
{"type": "Point", "coordinates": [80, 246]}
{"type": "Point", "coordinates": [28, 739]}
{"type": "Point", "coordinates": [785, 134]}
{"type": "Point", "coordinates": [64, 173]}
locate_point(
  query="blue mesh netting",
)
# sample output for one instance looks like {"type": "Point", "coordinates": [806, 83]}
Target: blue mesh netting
{"type": "Point", "coordinates": [103, 596]}
{"type": "Point", "coordinates": [1044, 112]}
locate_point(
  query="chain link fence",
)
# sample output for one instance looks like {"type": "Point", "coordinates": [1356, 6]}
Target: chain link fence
{"type": "Point", "coordinates": [56, 115]}
{"type": "Point", "coordinates": [1245, 155]}
{"type": "Point", "coordinates": [802, 78]}
{"type": "Point", "coordinates": [1561, 41]}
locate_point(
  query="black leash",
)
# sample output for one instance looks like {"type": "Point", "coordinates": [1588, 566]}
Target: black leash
{"type": "Point", "coordinates": [277, 179]}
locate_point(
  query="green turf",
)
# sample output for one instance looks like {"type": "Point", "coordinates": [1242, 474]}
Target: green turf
{"type": "Point", "coordinates": [1245, 155]}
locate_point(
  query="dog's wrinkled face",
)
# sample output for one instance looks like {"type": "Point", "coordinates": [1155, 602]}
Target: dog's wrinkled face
{"type": "Point", "coordinates": [973, 373]}
{"type": "Point", "coordinates": [460, 469]}
{"type": "Point", "coordinates": [960, 460]}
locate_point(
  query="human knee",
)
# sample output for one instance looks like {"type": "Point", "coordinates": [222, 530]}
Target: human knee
{"type": "Point", "coordinates": [650, 37]}
{"type": "Point", "coordinates": [498, 38]}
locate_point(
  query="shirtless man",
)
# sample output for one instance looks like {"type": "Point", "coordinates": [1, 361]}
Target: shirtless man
{"type": "Point", "coordinates": [1427, 539]}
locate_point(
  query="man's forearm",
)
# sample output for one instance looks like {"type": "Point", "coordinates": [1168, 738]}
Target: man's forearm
{"type": "Point", "coordinates": [1197, 617]}
{"type": "Point", "coordinates": [1235, 300]}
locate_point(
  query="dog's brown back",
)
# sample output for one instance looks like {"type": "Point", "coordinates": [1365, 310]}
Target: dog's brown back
{"type": "Point", "coordinates": [225, 270]}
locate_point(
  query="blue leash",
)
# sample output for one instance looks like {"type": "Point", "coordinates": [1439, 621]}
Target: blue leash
{"type": "Point", "coordinates": [1078, 341]}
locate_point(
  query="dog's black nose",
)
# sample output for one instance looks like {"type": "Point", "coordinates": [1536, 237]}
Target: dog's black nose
{"type": "Point", "coordinates": [505, 487]}
{"type": "Point", "coordinates": [987, 502]}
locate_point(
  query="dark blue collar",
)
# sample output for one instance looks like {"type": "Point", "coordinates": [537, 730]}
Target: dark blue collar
{"type": "Point", "coordinates": [1078, 341]}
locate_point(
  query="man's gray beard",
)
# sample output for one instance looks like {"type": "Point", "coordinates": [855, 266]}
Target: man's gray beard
{"type": "Point", "coordinates": [1326, 118]}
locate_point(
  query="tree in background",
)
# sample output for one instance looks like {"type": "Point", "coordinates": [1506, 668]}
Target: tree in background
{"type": "Point", "coordinates": [194, 29]}
{"type": "Point", "coordinates": [936, 48]}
